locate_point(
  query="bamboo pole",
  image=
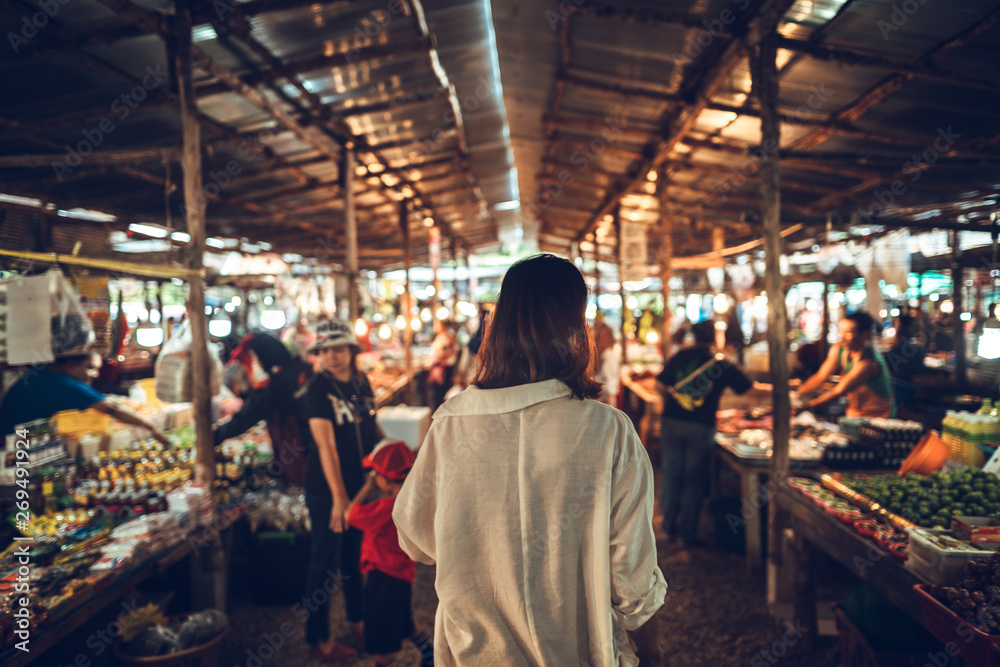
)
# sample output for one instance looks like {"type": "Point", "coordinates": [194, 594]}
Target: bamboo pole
{"type": "Point", "coordinates": [347, 177]}
{"type": "Point", "coordinates": [765, 82]}
{"type": "Point", "coordinates": [150, 270]}
{"type": "Point", "coordinates": [195, 206]}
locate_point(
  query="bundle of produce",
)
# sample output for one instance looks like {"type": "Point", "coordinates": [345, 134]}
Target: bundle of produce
{"type": "Point", "coordinates": [277, 510]}
{"type": "Point", "coordinates": [931, 501]}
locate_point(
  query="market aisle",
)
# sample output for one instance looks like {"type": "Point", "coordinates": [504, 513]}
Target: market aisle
{"type": "Point", "coordinates": [714, 615]}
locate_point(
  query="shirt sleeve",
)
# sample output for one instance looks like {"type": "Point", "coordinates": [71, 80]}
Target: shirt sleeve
{"type": "Point", "coordinates": [738, 380]}
{"type": "Point", "coordinates": [80, 395]}
{"type": "Point", "coordinates": [416, 505]}
{"type": "Point", "coordinates": [367, 516]}
{"type": "Point", "coordinates": [637, 584]}
{"type": "Point", "coordinates": [257, 406]}
{"type": "Point", "coordinates": [316, 404]}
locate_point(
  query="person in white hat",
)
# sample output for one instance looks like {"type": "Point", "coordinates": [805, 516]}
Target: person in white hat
{"type": "Point", "coordinates": [340, 407]}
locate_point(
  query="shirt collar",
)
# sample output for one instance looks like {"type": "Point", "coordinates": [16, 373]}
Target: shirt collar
{"type": "Point", "coordinates": [475, 401]}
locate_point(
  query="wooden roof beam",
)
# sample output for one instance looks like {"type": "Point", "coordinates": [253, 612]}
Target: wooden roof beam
{"type": "Point", "coordinates": [917, 70]}
{"type": "Point", "coordinates": [701, 87]}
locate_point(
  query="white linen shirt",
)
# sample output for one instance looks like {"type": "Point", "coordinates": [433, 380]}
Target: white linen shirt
{"type": "Point", "coordinates": [537, 508]}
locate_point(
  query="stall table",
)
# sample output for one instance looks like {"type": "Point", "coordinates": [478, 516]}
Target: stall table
{"type": "Point", "coordinates": [44, 639]}
{"type": "Point", "coordinates": [751, 468]}
{"type": "Point", "coordinates": [815, 531]}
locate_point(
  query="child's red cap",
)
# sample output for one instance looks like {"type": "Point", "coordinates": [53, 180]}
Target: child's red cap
{"type": "Point", "coordinates": [392, 460]}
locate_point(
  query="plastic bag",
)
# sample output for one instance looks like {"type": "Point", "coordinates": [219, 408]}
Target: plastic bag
{"type": "Point", "coordinates": [201, 628]}
{"type": "Point", "coordinates": [173, 367]}
{"type": "Point", "coordinates": [154, 640]}
{"type": "Point", "coordinates": [72, 332]}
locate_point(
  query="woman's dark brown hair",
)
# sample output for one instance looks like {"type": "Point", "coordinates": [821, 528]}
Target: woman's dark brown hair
{"type": "Point", "coordinates": [538, 329]}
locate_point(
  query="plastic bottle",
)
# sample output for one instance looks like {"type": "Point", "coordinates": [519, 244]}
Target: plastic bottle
{"type": "Point", "coordinates": [977, 431]}
{"type": "Point", "coordinates": [987, 407]}
{"type": "Point", "coordinates": [961, 434]}
{"type": "Point", "coordinates": [991, 433]}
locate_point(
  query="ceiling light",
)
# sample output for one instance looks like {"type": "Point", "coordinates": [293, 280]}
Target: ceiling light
{"type": "Point", "coordinates": [376, 168]}
{"type": "Point", "coordinates": [215, 243]}
{"type": "Point", "coordinates": [507, 205]}
{"type": "Point", "coordinates": [651, 176]}
{"type": "Point", "coordinates": [428, 222]}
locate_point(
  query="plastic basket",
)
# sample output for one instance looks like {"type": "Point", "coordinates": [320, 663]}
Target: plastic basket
{"type": "Point", "coordinates": [974, 645]}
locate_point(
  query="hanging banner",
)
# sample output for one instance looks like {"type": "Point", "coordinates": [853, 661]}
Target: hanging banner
{"type": "Point", "coordinates": [632, 252]}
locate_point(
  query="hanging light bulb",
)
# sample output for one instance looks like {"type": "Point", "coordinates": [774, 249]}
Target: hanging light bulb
{"type": "Point", "coordinates": [416, 324]}
{"type": "Point", "coordinates": [360, 328]}
{"type": "Point", "coordinates": [400, 322]}
{"type": "Point", "coordinates": [385, 332]}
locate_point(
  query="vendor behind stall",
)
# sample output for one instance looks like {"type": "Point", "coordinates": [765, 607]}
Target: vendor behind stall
{"type": "Point", "coordinates": [63, 385]}
{"type": "Point", "coordinates": [864, 374]}
{"type": "Point", "coordinates": [271, 383]}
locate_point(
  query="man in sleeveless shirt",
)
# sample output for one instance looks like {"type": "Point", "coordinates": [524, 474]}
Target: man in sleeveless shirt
{"type": "Point", "coordinates": [864, 375]}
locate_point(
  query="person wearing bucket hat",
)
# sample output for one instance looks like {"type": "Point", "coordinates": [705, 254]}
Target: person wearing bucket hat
{"type": "Point", "coordinates": [333, 333]}
{"type": "Point", "coordinates": [340, 408]}
{"type": "Point", "coordinates": [390, 572]}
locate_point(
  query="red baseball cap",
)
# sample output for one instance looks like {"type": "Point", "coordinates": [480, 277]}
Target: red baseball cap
{"type": "Point", "coordinates": [392, 460]}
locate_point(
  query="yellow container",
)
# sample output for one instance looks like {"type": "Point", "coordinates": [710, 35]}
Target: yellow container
{"type": "Point", "coordinates": [74, 423]}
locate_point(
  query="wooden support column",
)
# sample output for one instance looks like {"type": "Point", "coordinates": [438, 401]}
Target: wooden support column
{"type": "Point", "coordinates": [825, 333]}
{"type": "Point", "coordinates": [597, 271]}
{"type": "Point", "coordinates": [195, 212]}
{"type": "Point", "coordinates": [765, 82]}
{"type": "Point", "coordinates": [453, 242]}
{"type": "Point", "coordinates": [347, 182]}
{"type": "Point", "coordinates": [621, 282]}
{"type": "Point", "coordinates": [404, 226]}
{"type": "Point", "coordinates": [666, 259]}
{"type": "Point", "coordinates": [958, 328]}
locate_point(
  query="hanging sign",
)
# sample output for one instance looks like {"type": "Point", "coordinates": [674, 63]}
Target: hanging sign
{"type": "Point", "coordinates": [632, 253]}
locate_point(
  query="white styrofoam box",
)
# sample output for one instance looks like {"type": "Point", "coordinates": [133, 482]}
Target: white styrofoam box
{"type": "Point", "coordinates": [407, 423]}
{"type": "Point", "coordinates": [935, 564]}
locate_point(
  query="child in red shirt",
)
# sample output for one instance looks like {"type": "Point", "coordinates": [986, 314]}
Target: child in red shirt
{"type": "Point", "coordinates": [390, 572]}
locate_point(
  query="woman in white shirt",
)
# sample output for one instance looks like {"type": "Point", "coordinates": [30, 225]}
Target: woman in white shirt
{"type": "Point", "coordinates": [535, 503]}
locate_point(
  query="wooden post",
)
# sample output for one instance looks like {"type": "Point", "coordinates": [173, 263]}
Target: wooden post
{"type": "Point", "coordinates": [597, 271]}
{"type": "Point", "coordinates": [958, 327]}
{"type": "Point", "coordinates": [347, 181]}
{"type": "Point", "coordinates": [621, 281]}
{"type": "Point", "coordinates": [454, 275]}
{"type": "Point", "coordinates": [194, 203]}
{"type": "Point", "coordinates": [404, 226]}
{"type": "Point", "coordinates": [666, 259]}
{"type": "Point", "coordinates": [765, 82]}
{"type": "Point", "coordinates": [825, 333]}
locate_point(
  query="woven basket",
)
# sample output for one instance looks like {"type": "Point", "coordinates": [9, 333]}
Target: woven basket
{"type": "Point", "coordinates": [206, 655]}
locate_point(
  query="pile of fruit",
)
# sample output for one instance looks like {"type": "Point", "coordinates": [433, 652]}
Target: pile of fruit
{"type": "Point", "coordinates": [976, 598]}
{"type": "Point", "coordinates": [931, 501]}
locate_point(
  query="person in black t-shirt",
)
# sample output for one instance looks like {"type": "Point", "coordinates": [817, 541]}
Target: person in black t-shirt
{"type": "Point", "coordinates": [691, 383]}
{"type": "Point", "coordinates": [340, 407]}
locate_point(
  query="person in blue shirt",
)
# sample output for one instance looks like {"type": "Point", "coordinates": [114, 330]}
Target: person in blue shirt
{"type": "Point", "coordinates": [62, 385]}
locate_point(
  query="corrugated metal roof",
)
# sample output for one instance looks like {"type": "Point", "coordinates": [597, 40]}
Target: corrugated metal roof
{"type": "Point", "coordinates": [589, 92]}
{"type": "Point", "coordinates": [850, 119]}
{"type": "Point", "coordinates": [394, 66]}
